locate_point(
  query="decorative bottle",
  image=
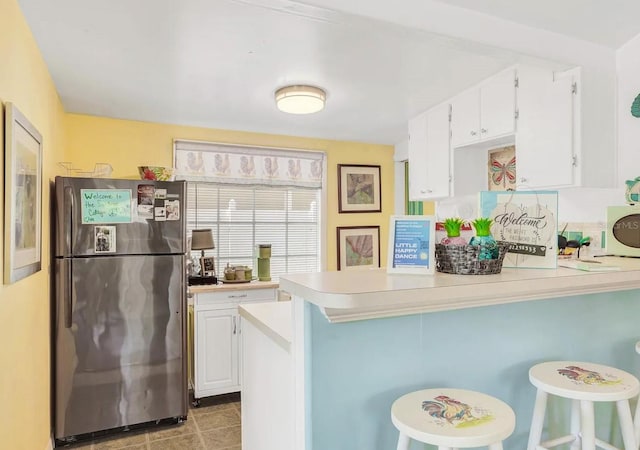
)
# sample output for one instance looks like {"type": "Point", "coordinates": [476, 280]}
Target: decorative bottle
{"type": "Point", "coordinates": [452, 226]}
{"type": "Point", "coordinates": [484, 240]}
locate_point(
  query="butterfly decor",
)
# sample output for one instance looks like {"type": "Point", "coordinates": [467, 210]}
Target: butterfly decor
{"type": "Point", "coordinates": [503, 173]}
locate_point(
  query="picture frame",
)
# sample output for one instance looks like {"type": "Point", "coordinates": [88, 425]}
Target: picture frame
{"type": "Point", "coordinates": [359, 188]}
{"type": "Point", "coordinates": [358, 247]}
{"type": "Point", "coordinates": [22, 196]}
{"type": "Point", "coordinates": [412, 245]}
{"type": "Point", "coordinates": [207, 266]}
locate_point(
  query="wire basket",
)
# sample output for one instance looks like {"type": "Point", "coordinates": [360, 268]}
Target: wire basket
{"type": "Point", "coordinates": [464, 259]}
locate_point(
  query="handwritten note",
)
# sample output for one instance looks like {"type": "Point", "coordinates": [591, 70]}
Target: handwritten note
{"type": "Point", "coordinates": [105, 206]}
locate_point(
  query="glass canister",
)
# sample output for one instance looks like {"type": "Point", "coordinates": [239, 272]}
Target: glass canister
{"type": "Point", "coordinates": [264, 251]}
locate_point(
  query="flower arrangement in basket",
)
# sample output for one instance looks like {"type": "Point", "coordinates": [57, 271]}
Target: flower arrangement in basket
{"type": "Point", "coordinates": [483, 255]}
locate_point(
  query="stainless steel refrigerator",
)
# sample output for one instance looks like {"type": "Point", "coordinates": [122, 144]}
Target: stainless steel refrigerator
{"type": "Point", "coordinates": [119, 313]}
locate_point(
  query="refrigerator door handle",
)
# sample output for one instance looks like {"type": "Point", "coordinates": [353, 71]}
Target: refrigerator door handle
{"type": "Point", "coordinates": [68, 307]}
{"type": "Point", "coordinates": [68, 219]}
{"type": "Point", "coordinates": [234, 324]}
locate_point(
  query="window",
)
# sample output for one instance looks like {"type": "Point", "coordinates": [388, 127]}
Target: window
{"type": "Point", "coordinates": [250, 196]}
{"type": "Point", "coordinates": [242, 217]}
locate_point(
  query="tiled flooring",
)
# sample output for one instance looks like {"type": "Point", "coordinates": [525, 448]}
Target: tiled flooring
{"type": "Point", "coordinates": [215, 425]}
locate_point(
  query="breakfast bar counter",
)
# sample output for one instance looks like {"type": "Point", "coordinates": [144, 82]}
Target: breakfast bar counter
{"type": "Point", "coordinates": [361, 339]}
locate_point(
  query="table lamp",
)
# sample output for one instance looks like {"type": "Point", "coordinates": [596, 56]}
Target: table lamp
{"type": "Point", "coordinates": [203, 240]}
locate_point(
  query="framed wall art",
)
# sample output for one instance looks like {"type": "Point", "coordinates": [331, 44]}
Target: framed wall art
{"type": "Point", "coordinates": [358, 247]}
{"type": "Point", "coordinates": [23, 196]}
{"type": "Point", "coordinates": [412, 245]}
{"type": "Point", "coordinates": [359, 188]}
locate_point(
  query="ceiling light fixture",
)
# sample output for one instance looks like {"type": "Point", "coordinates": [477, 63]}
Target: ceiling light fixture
{"type": "Point", "coordinates": [300, 99]}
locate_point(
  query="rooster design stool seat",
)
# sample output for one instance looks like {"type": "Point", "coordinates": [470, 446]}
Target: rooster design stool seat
{"type": "Point", "coordinates": [452, 419]}
{"type": "Point", "coordinates": [584, 383]}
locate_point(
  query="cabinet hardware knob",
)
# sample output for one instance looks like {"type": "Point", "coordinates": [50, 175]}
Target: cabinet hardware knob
{"type": "Point", "coordinates": [423, 191]}
{"type": "Point", "coordinates": [473, 133]}
{"type": "Point", "coordinates": [523, 180]}
{"type": "Point", "coordinates": [483, 130]}
{"type": "Point", "coordinates": [429, 191]}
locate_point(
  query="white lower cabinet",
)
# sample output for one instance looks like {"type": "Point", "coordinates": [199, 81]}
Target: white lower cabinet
{"type": "Point", "coordinates": [217, 339]}
{"type": "Point", "coordinates": [217, 335]}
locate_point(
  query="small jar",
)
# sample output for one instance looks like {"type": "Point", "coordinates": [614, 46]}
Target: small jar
{"type": "Point", "coordinates": [265, 251]}
{"type": "Point", "coordinates": [229, 273]}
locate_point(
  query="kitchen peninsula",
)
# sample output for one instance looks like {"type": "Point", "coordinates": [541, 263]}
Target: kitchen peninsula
{"type": "Point", "coordinates": [355, 341]}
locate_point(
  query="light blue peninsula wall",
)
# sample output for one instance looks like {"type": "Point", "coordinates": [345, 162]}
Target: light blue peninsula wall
{"type": "Point", "coordinates": [355, 370]}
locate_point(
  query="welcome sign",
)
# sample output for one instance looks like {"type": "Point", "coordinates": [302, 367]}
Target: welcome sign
{"type": "Point", "coordinates": [529, 221]}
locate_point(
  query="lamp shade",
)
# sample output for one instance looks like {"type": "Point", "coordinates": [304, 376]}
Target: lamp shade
{"type": "Point", "coordinates": [300, 99]}
{"type": "Point", "coordinates": [202, 239]}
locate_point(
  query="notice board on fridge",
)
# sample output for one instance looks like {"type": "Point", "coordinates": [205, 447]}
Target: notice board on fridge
{"type": "Point", "coordinates": [526, 219]}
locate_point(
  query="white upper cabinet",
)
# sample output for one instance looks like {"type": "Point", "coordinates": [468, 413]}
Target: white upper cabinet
{"type": "Point", "coordinates": [429, 174]}
{"type": "Point", "coordinates": [545, 148]}
{"type": "Point", "coordinates": [485, 112]}
{"type": "Point", "coordinates": [465, 118]}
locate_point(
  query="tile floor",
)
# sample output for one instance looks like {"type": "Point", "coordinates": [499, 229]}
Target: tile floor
{"type": "Point", "coordinates": [215, 425]}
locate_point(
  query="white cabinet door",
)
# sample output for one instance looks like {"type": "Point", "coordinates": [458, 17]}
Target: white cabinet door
{"type": "Point", "coordinates": [544, 142]}
{"type": "Point", "coordinates": [465, 118]}
{"type": "Point", "coordinates": [418, 159]}
{"type": "Point", "coordinates": [216, 351]}
{"type": "Point", "coordinates": [486, 112]}
{"type": "Point", "coordinates": [498, 105]}
{"type": "Point", "coordinates": [429, 156]}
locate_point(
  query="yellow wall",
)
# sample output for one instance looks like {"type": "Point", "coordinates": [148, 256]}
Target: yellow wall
{"type": "Point", "coordinates": [24, 305]}
{"type": "Point", "coordinates": [128, 144]}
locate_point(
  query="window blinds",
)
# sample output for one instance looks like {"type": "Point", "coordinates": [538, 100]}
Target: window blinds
{"type": "Point", "coordinates": [243, 210]}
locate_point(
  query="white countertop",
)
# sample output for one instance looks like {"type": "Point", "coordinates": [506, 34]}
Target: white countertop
{"type": "Point", "coordinates": [355, 295]}
{"type": "Point", "coordinates": [272, 318]}
{"type": "Point", "coordinates": [195, 289]}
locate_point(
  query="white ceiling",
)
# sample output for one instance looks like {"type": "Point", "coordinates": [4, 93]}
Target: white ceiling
{"type": "Point", "coordinates": [217, 63]}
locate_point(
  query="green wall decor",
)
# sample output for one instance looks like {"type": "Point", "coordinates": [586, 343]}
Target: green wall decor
{"type": "Point", "coordinates": [635, 107]}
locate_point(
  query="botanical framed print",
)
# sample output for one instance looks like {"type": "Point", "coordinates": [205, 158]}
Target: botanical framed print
{"type": "Point", "coordinates": [22, 196]}
{"type": "Point", "coordinates": [358, 247]}
{"type": "Point", "coordinates": [359, 188]}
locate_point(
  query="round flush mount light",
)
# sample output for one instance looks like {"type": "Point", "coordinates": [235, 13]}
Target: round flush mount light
{"type": "Point", "coordinates": [300, 99]}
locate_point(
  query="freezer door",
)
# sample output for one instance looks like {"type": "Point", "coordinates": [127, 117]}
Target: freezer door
{"type": "Point", "coordinates": [98, 216]}
{"type": "Point", "coordinates": [120, 342]}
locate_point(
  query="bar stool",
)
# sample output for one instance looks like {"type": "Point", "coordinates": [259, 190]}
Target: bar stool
{"type": "Point", "coordinates": [583, 383]}
{"type": "Point", "coordinates": [452, 419]}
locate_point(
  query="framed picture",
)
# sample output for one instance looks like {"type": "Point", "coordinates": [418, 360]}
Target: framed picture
{"type": "Point", "coordinates": [412, 245]}
{"type": "Point", "coordinates": [22, 196]}
{"type": "Point", "coordinates": [358, 247]}
{"type": "Point", "coordinates": [359, 188]}
{"type": "Point", "coordinates": [207, 265]}
{"type": "Point", "coordinates": [501, 171]}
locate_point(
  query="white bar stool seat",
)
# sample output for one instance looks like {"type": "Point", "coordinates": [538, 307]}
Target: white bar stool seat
{"type": "Point", "coordinates": [584, 383]}
{"type": "Point", "coordinates": [452, 419]}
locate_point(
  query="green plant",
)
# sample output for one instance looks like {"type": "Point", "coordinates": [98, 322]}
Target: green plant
{"type": "Point", "coordinates": [452, 226]}
{"type": "Point", "coordinates": [482, 226]}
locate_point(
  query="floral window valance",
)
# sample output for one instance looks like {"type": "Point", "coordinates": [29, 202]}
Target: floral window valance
{"type": "Point", "coordinates": [226, 163]}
